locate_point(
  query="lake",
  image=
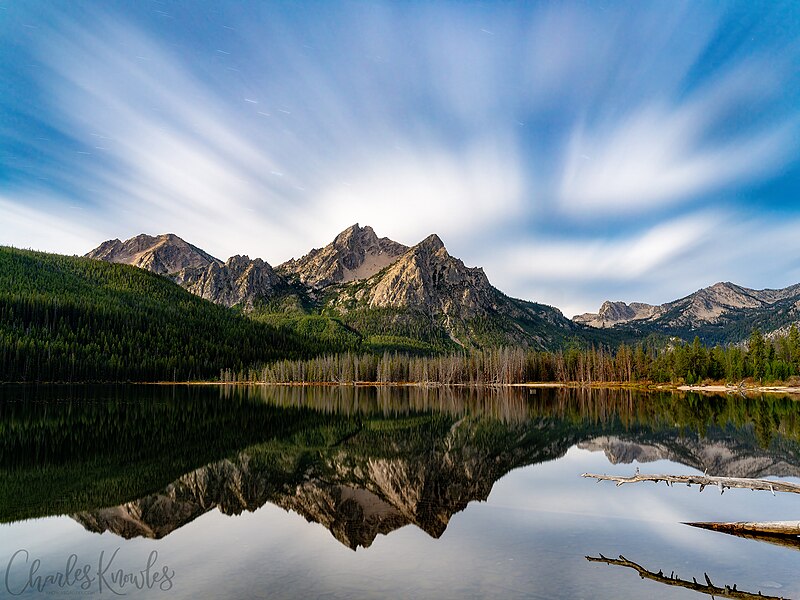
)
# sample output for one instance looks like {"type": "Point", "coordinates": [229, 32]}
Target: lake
{"type": "Point", "coordinates": [345, 492]}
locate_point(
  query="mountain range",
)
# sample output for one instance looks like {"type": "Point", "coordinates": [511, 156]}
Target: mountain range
{"type": "Point", "coordinates": [721, 313]}
{"type": "Point", "coordinates": [421, 298]}
{"type": "Point", "coordinates": [410, 297]}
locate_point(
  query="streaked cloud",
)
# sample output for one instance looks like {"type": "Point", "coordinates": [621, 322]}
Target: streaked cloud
{"type": "Point", "coordinates": [406, 192]}
{"type": "Point", "coordinates": [625, 258]}
{"type": "Point", "coordinates": [663, 263]}
{"type": "Point", "coordinates": [575, 151]}
{"type": "Point", "coordinates": [660, 153]}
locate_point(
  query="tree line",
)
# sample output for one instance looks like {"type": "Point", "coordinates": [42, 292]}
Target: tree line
{"type": "Point", "coordinates": [71, 319]}
{"type": "Point", "coordinates": [761, 359]}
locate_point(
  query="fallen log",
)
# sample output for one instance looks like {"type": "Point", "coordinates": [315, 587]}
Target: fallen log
{"type": "Point", "coordinates": [721, 483]}
{"type": "Point", "coordinates": [707, 588]}
{"type": "Point", "coordinates": [780, 533]}
{"type": "Point", "coordinates": [782, 528]}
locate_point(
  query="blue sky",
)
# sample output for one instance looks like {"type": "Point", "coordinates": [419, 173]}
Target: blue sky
{"type": "Point", "coordinates": [578, 151]}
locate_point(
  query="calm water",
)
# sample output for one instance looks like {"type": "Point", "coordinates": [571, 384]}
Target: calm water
{"type": "Point", "coordinates": [376, 493]}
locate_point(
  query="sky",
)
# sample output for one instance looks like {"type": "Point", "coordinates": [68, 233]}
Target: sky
{"type": "Point", "coordinates": [577, 151]}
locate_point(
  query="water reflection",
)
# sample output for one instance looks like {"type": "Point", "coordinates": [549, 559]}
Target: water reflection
{"type": "Point", "coordinates": [143, 461]}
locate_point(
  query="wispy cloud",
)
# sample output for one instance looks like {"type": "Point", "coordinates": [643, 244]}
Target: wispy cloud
{"type": "Point", "coordinates": [407, 192]}
{"type": "Point", "coordinates": [665, 152]}
{"type": "Point", "coordinates": [625, 258]}
{"type": "Point", "coordinates": [664, 262]}
{"type": "Point", "coordinates": [551, 144]}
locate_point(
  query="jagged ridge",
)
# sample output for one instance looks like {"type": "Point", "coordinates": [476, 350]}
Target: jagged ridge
{"type": "Point", "coordinates": [356, 253]}
{"type": "Point", "coordinates": [427, 295]}
{"type": "Point", "coordinates": [163, 254]}
{"type": "Point", "coordinates": [723, 312]}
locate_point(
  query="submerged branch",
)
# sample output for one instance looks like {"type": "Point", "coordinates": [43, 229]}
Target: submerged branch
{"type": "Point", "coordinates": [722, 483]}
{"type": "Point", "coordinates": [707, 588]}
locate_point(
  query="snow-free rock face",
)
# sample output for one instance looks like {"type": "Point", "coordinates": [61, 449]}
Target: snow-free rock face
{"type": "Point", "coordinates": [613, 313]}
{"type": "Point", "coordinates": [718, 304]}
{"type": "Point", "coordinates": [429, 284]}
{"type": "Point", "coordinates": [239, 282]}
{"type": "Point", "coordinates": [428, 278]}
{"type": "Point", "coordinates": [722, 299]}
{"type": "Point", "coordinates": [356, 253]}
{"type": "Point", "coordinates": [163, 254]}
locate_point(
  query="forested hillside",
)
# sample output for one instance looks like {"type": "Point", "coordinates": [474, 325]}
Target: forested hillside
{"type": "Point", "coordinates": [74, 319]}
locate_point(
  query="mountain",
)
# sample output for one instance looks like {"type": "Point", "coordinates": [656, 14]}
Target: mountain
{"type": "Point", "coordinates": [396, 297]}
{"type": "Point", "coordinates": [614, 313]}
{"type": "Point", "coordinates": [162, 254]}
{"type": "Point", "coordinates": [356, 253]}
{"type": "Point", "coordinates": [426, 277]}
{"type": "Point", "coordinates": [238, 282]}
{"type": "Point", "coordinates": [427, 289]}
{"type": "Point", "coordinates": [722, 313]}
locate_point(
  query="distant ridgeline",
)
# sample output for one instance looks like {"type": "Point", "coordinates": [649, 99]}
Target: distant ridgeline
{"type": "Point", "coordinates": [330, 316]}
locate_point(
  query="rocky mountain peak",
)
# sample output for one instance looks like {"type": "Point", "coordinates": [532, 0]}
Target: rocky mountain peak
{"type": "Point", "coordinates": [355, 236]}
{"type": "Point", "coordinates": [356, 253]}
{"type": "Point", "coordinates": [242, 261]}
{"type": "Point", "coordinates": [238, 282]}
{"type": "Point", "coordinates": [163, 254]}
{"type": "Point", "coordinates": [427, 278]}
{"type": "Point", "coordinates": [709, 313]}
{"type": "Point", "coordinates": [432, 243]}
{"type": "Point", "coordinates": [615, 313]}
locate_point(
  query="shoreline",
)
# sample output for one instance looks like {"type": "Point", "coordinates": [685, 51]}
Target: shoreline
{"type": "Point", "coordinates": [716, 388]}
{"type": "Point", "coordinates": [791, 390]}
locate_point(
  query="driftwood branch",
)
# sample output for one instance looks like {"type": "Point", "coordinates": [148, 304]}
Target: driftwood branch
{"type": "Point", "coordinates": [722, 483]}
{"type": "Point", "coordinates": [707, 588]}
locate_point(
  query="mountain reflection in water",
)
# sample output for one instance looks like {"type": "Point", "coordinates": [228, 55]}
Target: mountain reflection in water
{"type": "Point", "coordinates": [361, 461]}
